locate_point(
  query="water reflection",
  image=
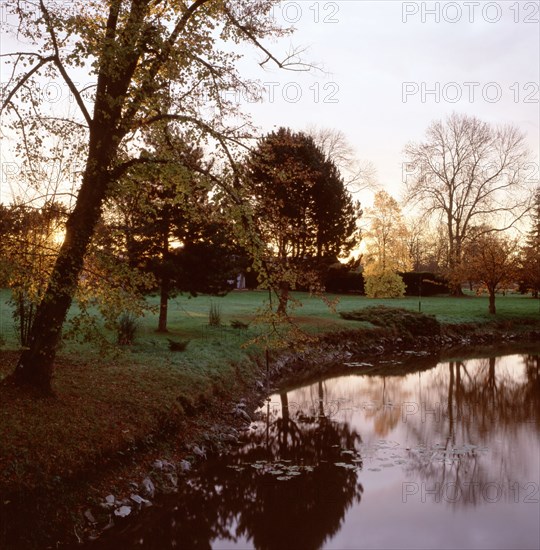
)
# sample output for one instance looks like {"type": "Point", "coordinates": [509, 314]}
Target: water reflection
{"type": "Point", "coordinates": [444, 458]}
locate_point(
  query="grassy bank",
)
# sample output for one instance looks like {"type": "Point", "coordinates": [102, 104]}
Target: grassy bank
{"type": "Point", "coordinates": [113, 402]}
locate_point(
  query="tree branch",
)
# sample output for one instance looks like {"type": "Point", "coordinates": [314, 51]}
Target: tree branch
{"type": "Point", "coordinates": [61, 68]}
{"type": "Point", "coordinates": [24, 79]}
{"type": "Point", "coordinates": [269, 56]}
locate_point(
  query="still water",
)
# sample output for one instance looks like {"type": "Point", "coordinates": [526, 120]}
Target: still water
{"type": "Point", "coordinates": [446, 457]}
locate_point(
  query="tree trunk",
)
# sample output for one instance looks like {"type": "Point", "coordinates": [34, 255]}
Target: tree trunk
{"type": "Point", "coordinates": [451, 399]}
{"type": "Point", "coordinates": [165, 277]}
{"type": "Point", "coordinates": [283, 434]}
{"type": "Point", "coordinates": [36, 364]}
{"type": "Point", "coordinates": [321, 400]}
{"type": "Point", "coordinates": [492, 301]}
{"type": "Point", "coordinates": [454, 260]}
{"type": "Point", "coordinates": [163, 304]}
{"type": "Point", "coordinates": [455, 290]}
{"type": "Point", "coordinates": [283, 298]}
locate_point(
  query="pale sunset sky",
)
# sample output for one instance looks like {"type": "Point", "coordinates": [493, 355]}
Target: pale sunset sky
{"type": "Point", "coordinates": [392, 67]}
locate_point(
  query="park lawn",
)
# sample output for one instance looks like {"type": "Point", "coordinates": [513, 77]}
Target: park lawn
{"type": "Point", "coordinates": [110, 399]}
{"type": "Point", "coordinates": [188, 317]}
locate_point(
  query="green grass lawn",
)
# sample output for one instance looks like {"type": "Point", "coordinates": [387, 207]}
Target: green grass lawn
{"type": "Point", "coordinates": [188, 317]}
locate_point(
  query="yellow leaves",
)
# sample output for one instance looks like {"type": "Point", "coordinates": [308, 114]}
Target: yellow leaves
{"type": "Point", "coordinates": [384, 284]}
{"type": "Point", "coordinates": [386, 238]}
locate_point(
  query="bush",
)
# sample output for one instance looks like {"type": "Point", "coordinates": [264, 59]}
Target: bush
{"type": "Point", "coordinates": [178, 346]}
{"type": "Point", "coordinates": [214, 315]}
{"type": "Point", "coordinates": [399, 319]}
{"type": "Point", "coordinates": [24, 312]}
{"type": "Point", "coordinates": [239, 325]}
{"type": "Point", "coordinates": [126, 327]}
{"type": "Point", "coordinates": [384, 285]}
{"type": "Point", "coordinates": [344, 279]}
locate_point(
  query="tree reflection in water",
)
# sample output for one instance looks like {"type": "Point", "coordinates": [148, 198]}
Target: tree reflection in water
{"type": "Point", "coordinates": [482, 403]}
{"type": "Point", "coordinates": [291, 484]}
{"type": "Point", "coordinates": [311, 506]}
{"type": "Point", "coordinates": [237, 496]}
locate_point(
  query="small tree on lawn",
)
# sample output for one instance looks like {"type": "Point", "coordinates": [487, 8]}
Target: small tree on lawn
{"type": "Point", "coordinates": [491, 260]}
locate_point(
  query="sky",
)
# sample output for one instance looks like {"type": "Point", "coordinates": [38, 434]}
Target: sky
{"type": "Point", "coordinates": [393, 67]}
{"type": "Point", "coordinates": [387, 69]}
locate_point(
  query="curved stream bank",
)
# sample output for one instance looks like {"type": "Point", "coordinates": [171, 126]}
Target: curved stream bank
{"type": "Point", "coordinates": [127, 486]}
{"type": "Point", "coordinates": [445, 455]}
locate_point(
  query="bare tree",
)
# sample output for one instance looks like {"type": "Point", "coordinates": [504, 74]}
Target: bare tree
{"type": "Point", "coordinates": [468, 172]}
{"type": "Point", "coordinates": [359, 175]}
{"type": "Point", "coordinates": [427, 244]}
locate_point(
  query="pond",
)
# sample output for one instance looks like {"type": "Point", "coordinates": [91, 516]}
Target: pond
{"type": "Point", "coordinates": [445, 457]}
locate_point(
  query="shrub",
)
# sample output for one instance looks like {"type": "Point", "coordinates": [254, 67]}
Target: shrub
{"type": "Point", "coordinates": [424, 283]}
{"type": "Point", "coordinates": [344, 279]}
{"type": "Point", "coordinates": [214, 315]}
{"type": "Point", "coordinates": [24, 311]}
{"type": "Point", "coordinates": [384, 285]}
{"type": "Point", "coordinates": [178, 346]}
{"type": "Point", "coordinates": [239, 325]}
{"type": "Point", "coordinates": [402, 320]}
{"type": "Point", "coordinates": [126, 327]}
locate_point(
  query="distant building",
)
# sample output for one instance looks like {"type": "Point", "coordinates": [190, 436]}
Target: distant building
{"type": "Point", "coordinates": [240, 281]}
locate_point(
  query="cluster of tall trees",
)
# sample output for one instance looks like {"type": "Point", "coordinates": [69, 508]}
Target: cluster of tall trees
{"type": "Point", "coordinates": [472, 176]}
{"type": "Point", "coordinates": [147, 63]}
{"type": "Point", "coordinates": [491, 258]}
{"type": "Point", "coordinates": [470, 181]}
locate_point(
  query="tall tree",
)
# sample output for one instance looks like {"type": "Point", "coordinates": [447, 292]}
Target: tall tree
{"type": "Point", "coordinates": [530, 253]}
{"type": "Point", "coordinates": [150, 209]}
{"type": "Point", "coordinates": [144, 62]}
{"type": "Point", "coordinates": [171, 227]}
{"type": "Point", "coordinates": [358, 175]}
{"type": "Point", "coordinates": [386, 237]}
{"type": "Point", "coordinates": [305, 214]}
{"type": "Point", "coordinates": [468, 172]}
{"type": "Point", "coordinates": [427, 244]}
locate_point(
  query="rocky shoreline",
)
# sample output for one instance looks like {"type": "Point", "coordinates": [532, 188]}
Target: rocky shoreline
{"type": "Point", "coordinates": [339, 351]}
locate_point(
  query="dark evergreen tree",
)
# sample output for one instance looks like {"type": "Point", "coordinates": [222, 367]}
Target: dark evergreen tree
{"type": "Point", "coordinates": [305, 214]}
{"type": "Point", "coordinates": [530, 267]}
{"type": "Point", "coordinates": [168, 225]}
